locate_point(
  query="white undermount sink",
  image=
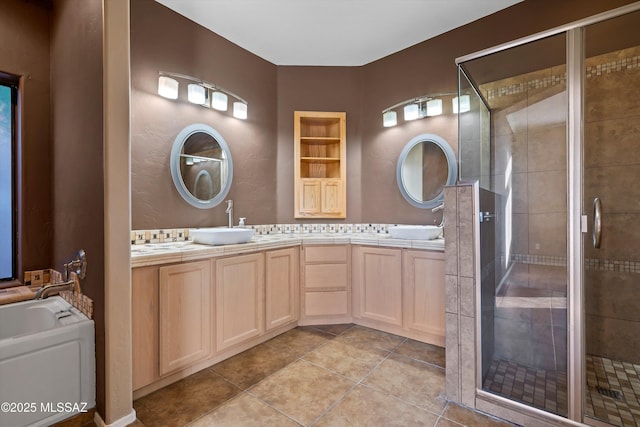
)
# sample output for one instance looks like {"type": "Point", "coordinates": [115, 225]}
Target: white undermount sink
{"type": "Point", "coordinates": [415, 232]}
{"type": "Point", "coordinates": [221, 235]}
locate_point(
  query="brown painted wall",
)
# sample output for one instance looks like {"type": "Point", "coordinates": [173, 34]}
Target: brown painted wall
{"type": "Point", "coordinates": [263, 178]}
{"type": "Point", "coordinates": [24, 31]}
{"type": "Point", "coordinates": [319, 89]}
{"type": "Point", "coordinates": [77, 130]}
{"type": "Point", "coordinates": [156, 121]}
{"type": "Point", "coordinates": [429, 67]}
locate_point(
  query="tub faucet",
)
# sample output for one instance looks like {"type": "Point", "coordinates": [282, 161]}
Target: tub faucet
{"type": "Point", "coordinates": [230, 212]}
{"type": "Point", "coordinates": [53, 289]}
{"type": "Point", "coordinates": [440, 207]}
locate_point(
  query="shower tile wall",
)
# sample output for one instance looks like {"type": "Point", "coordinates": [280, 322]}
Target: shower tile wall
{"type": "Point", "coordinates": [612, 172]}
{"type": "Point", "coordinates": [529, 131]}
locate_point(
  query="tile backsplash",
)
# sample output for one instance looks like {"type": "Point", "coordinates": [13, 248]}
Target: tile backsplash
{"type": "Point", "coordinates": [141, 237]}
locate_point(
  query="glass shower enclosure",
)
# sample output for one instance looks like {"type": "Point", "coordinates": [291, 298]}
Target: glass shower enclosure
{"type": "Point", "coordinates": [553, 138]}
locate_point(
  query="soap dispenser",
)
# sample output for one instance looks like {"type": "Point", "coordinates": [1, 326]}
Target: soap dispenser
{"type": "Point", "coordinates": [241, 222]}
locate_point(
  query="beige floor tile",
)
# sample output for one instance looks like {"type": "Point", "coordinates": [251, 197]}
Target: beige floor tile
{"type": "Point", "coordinates": [367, 337]}
{"type": "Point", "coordinates": [413, 381]}
{"type": "Point", "coordinates": [184, 401]}
{"type": "Point", "coordinates": [469, 418]}
{"type": "Point", "coordinates": [302, 391]}
{"type": "Point", "coordinates": [333, 329]}
{"type": "Point", "coordinates": [443, 422]}
{"type": "Point", "coordinates": [366, 407]}
{"type": "Point", "coordinates": [252, 366]}
{"type": "Point", "coordinates": [246, 411]}
{"type": "Point", "coordinates": [299, 341]}
{"type": "Point", "coordinates": [351, 361]}
{"type": "Point", "coordinates": [422, 351]}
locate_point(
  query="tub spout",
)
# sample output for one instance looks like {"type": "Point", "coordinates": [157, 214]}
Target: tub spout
{"type": "Point", "coordinates": [53, 289]}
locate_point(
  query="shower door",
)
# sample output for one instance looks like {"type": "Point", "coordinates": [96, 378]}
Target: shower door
{"type": "Point", "coordinates": [553, 138]}
{"type": "Point", "coordinates": [611, 203]}
{"type": "Point", "coordinates": [513, 141]}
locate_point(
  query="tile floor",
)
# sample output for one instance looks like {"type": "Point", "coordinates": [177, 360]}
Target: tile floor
{"type": "Point", "coordinates": [341, 375]}
{"type": "Point", "coordinates": [536, 387]}
{"type": "Point", "coordinates": [617, 401]}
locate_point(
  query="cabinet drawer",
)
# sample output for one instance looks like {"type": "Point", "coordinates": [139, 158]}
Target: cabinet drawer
{"type": "Point", "coordinates": [326, 303]}
{"type": "Point", "coordinates": [325, 276]}
{"type": "Point", "coordinates": [324, 254]}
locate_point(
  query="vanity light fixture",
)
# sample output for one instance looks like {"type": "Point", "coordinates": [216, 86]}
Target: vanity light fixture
{"type": "Point", "coordinates": [196, 94]}
{"type": "Point", "coordinates": [219, 100]}
{"type": "Point", "coordinates": [415, 108]}
{"type": "Point", "coordinates": [434, 107]}
{"type": "Point", "coordinates": [461, 104]}
{"type": "Point", "coordinates": [200, 92]}
{"type": "Point", "coordinates": [389, 118]}
{"type": "Point", "coordinates": [168, 87]}
{"type": "Point", "coordinates": [411, 112]}
{"type": "Point", "coordinates": [240, 110]}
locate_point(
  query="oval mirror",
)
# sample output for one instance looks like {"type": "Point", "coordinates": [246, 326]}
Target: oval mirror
{"type": "Point", "coordinates": [201, 166]}
{"type": "Point", "coordinates": [426, 165]}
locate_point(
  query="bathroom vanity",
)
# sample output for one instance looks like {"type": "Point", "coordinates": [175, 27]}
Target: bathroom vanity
{"type": "Point", "coordinates": [195, 305]}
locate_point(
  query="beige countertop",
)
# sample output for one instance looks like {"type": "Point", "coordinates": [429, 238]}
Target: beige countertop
{"type": "Point", "coordinates": [165, 253]}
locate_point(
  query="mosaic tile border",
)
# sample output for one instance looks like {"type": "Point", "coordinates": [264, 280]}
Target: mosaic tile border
{"type": "Point", "coordinates": [526, 86]}
{"type": "Point", "coordinates": [623, 64]}
{"type": "Point", "coordinates": [590, 264]}
{"type": "Point", "coordinates": [141, 237]}
{"type": "Point", "coordinates": [591, 71]}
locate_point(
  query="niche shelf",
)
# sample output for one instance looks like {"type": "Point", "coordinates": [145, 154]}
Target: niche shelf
{"type": "Point", "coordinates": [320, 164]}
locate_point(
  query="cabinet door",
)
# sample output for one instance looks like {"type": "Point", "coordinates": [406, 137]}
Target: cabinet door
{"type": "Point", "coordinates": [281, 288]}
{"type": "Point", "coordinates": [239, 299]}
{"type": "Point", "coordinates": [424, 292]}
{"type": "Point", "coordinates": [310, 196]}
{"type": "Point", "coordinates": [144, 325]}
{"type": "Point", "coordinates": [377, 284]}
{"type": "Point", "coordinates": [332, 200]}
{"type": "Point", "coordinates": [185, 314]}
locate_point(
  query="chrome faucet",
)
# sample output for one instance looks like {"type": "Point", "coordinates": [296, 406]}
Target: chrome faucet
{"type": "Point", "coordinates": [230, 212]}
{"type": "Point", "coordinates": [440, 207]}
{"type": "Point", "coordinates": [53, 289]}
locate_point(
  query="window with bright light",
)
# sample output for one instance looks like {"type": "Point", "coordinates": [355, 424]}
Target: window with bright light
{"type": "Point", "coordinates": [8, 94]}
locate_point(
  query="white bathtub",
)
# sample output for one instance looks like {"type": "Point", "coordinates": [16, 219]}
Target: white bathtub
{"type": "Point", "coordinates": [47, 362]}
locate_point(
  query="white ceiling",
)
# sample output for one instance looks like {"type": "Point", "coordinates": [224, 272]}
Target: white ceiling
{"type": "Point", "coordinates": [331, 32]}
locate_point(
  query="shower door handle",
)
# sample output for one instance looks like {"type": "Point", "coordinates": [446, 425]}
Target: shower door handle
{"type": "Point", "coordinates": [597, 223]}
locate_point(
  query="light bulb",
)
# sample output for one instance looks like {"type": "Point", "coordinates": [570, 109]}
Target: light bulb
{"type": "Point", "coordinates": [411, 112]}
{"type": "Point", "coordinates": [434, 107]}
{"type": "Point", "coordinates": [196, 94]}
{"type": "Point", "coordinates": [219, 101]}
{"type": "Point", "coordinates": [389, 118]}
{"type": "Point", "coordinates": [167, 87]}
{"type": "Point", "coordinates": [240, 110]}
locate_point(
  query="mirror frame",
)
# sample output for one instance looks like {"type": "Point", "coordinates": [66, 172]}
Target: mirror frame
{"type": "Point", "coordinates": [451, 164]}
{"type": "Point", "coordinates": [176, 150]}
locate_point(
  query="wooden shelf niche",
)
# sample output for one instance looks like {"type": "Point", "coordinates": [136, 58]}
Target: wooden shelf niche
{"type": "Point", "coordinates": [320, 164]}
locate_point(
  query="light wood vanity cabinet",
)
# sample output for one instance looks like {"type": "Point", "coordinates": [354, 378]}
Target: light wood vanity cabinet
{"type": "Point", "coordinates": [185, 315]}
{"type": "Point", "coordinates": [423, 286]}
{"type": "Point", "coordinates": [377, 286]}
{"type": "Point", "coordinates": [282, 287]}
{"type": "Point", "coordinates": [239, 299]}
{"type": "Point", "coordinates": [191, 315]}
{"type": "Point", "coordinates": [326, 287]}
{"type": "Point", "coordinates": [320, 164]}
{"type": "Point", "coordinates": [400, 291]}
{"type": "Point", "coordinates": [145, 325]}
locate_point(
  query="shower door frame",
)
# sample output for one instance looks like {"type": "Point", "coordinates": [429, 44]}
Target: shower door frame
{"type": "Point", "coordinates": [576, 220]}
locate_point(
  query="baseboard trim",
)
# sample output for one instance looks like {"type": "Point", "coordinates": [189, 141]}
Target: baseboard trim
{"type": "Point", "coordinates": [122, 422]}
